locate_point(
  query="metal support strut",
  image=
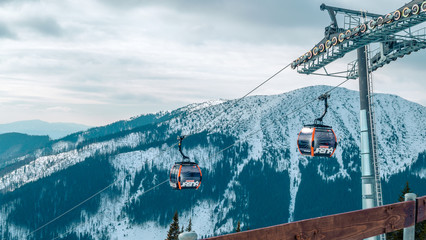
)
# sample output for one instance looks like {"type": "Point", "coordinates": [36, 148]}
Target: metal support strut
{"type": "Point", "coordinates": [180, 138]}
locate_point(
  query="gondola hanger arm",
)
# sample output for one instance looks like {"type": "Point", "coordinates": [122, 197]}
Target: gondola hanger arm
{"type": "Point", "coordinates": [324, 98]}
{"type": "Point", "coordinates": [180, 138]}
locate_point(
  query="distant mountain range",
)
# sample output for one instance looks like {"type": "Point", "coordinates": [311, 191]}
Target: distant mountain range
{"type": "Point", "coordinates": [252, 170]}
{"type": "Point", "coordinates": [38, 127]}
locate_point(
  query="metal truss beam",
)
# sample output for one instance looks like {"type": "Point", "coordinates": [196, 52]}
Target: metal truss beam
{"type": "Point", "coordinates": [361, 29]}
{"type": "Point", "coordinates": [391, 50]}
{"type": "Point", "coordinates": [378, 34]}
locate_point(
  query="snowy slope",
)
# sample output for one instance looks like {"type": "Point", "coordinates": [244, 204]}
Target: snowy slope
{"type": "Point", "coordinates": [264, 130]}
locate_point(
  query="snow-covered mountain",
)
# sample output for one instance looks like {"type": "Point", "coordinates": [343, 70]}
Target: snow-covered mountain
{"type": "Point", "coordinates": [261, 180]}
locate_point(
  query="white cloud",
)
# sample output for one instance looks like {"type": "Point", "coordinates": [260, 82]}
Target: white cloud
{"type": "Point", "coordinates": [58, 109]}
{"type": "Point", "coordinates": [107, 60]}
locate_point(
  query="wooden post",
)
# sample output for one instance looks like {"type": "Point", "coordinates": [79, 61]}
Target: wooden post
{"type": "Point", "coordinates": [188, 236]}
{"type": "Point", "coordinates": [409, 232]}
{"type": "Point", "coordinates": [421, 209]}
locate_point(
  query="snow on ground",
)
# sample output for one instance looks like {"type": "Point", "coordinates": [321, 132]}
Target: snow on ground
{"type": "Point", "coordinates": [201, 217]}
{"type": "Point", "coordinates": [421, 173]}
{"type": "Point", "coordinates": [150, 231]}
{"type": "Point", "coordinates": [46, 165]}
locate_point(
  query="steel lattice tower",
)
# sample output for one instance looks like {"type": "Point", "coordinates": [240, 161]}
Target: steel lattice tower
{"type": "Point", "coordinates": [396, 39]}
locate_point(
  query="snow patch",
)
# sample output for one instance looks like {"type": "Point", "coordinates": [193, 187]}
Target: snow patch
{"type": "Point", "coordinates": [46, 165]}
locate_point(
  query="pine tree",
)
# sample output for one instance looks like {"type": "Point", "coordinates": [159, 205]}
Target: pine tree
{"type": "Point", "coordinates": [406, 189]}
{"type": "Point", "coordinates": [238, 229]}
{"type": "Point", "coordinates": [189, 228]}
{"type": "Point", "coordinates": [174, 228]}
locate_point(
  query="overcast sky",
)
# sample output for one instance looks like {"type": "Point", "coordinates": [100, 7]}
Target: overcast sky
{"type": "Point", "coordinates": [95, 62]}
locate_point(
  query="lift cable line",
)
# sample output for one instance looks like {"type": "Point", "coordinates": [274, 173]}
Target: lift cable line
{"type": "Point", "coordinates": [361, 35]}
{"type": "Point", "coordinates": [216, 116]}
{"type": "Point", "coordinates": [152, 188]}
{"type": "Point", "coordinates": [87, 199]}
{"type": "Point", "coordinates": [224, 149]}
{"type": "Point", "coordinates": [94, 195]}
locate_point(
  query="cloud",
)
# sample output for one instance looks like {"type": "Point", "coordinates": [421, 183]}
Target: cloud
{"type": "Point", "coordinates": [123, 4]}
{"type": "Point", "coordinates": [104, 60]}
{"type": "Point", "coordinates": [6, 2]}
{"type": "Point", "coordinates": [58, 109]}
{"type": "Point", "coordinates": [5, 32]}
{"type": "Point", "coordinates": [44, 25]}
{"type": "Point", "coordinates": [199, 22]}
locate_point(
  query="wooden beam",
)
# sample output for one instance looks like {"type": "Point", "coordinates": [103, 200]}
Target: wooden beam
{"type": "Point", "coordinates": [349, 226]}
{"type": "Point", "coordinates": [421, 209]}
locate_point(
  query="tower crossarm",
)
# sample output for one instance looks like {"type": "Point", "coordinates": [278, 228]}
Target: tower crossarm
{"type": "Point", "coordinates": [343, 41]}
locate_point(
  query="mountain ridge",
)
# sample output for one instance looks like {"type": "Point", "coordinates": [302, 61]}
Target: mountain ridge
{"type": "Point", "coordinates": [263, 135]}
{"type": "Point", "coordinates": [55, 130]}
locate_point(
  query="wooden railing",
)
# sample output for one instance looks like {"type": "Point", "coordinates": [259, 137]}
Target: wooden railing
{"type": "Point", "coordinates": [351, 225]}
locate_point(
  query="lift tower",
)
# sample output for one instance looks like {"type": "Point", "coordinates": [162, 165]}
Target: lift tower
{"type": "Point", "coordinates": [393, 33]}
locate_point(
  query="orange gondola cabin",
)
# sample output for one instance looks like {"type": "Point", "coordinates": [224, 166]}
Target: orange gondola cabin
{"type": "Point", "coordinates": [185, 175]}
{"type": "Point", "coordinates": [317, 140]}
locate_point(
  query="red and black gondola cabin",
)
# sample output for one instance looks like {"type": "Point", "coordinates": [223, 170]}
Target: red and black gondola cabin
{"type": "Point", "coordinates": [185, 175]}
{"type": "Point", "coordinates": [317, 140]}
